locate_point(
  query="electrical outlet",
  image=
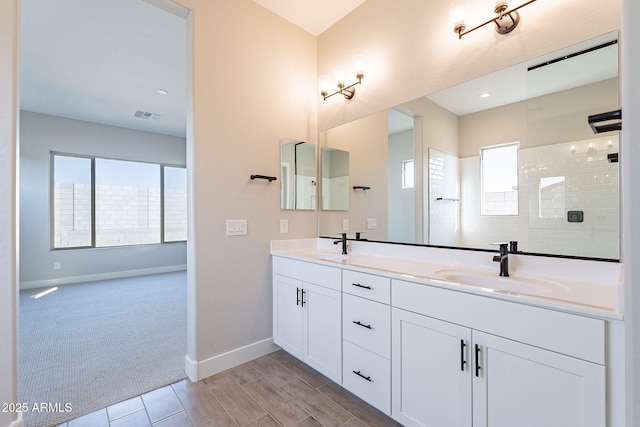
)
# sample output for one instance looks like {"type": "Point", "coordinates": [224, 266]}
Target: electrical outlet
{"type": "Point", "coordinates": [345, 224]}
{"type": "Point", "coordinates": [236, 227]}
{"type": "Point", "coordinates": [56, 265]}
{"type": "Point", "coordinates": [284, 226]}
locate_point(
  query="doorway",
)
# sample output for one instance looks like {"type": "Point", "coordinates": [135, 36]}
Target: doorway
{"type": "Point", "coordinates": [98, 80]}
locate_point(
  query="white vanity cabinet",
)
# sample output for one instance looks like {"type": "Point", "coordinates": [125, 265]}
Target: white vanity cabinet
{"type": "Point", "coordinates": [366, 329]}
{"type": "Point", "coordinates": [431, 372]}
{"type": "Point", "coordinates": [475, 361]}
{"type": "Point", "coordinates": [433, 355]}
{"type": "Point", "coordinates": [307, 312]}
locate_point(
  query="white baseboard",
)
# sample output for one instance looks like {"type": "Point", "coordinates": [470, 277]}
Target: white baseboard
{"type": "Point", "coordinates": [197, 371]}
{"type": "Point", "coordinates": [101, 276]}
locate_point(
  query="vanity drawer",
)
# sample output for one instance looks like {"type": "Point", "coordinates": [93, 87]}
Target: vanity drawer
{"type": "Point", "coordinates": [373, 328]}
{"type": "Point", "coordinates": [368, 286]}
{"type": "Point", "coordinates": [574, 335]}
{"type": "Point", "coordinates": [367, 375]}
{"type": "Point", "coordinates": [328, 277]}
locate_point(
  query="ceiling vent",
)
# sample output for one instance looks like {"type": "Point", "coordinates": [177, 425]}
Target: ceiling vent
{"type": "Point", "coordinates": [145, 115]}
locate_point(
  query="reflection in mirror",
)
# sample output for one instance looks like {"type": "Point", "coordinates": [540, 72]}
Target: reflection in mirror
{"type": "Point", "coordinates": [335, 179]}
{"type": "Point", "coordinates": [566, 185]}
{"type": "Point", "coordinates": [401, 182]}
{"type": "Point", "coordinates": [366, 141]}
{"type": "Point", "coordinates": [298, 171]}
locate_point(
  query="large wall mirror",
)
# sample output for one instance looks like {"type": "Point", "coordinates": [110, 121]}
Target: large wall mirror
{"type": "Point", "coordinates": [508, 156]}
{"type": "Point", "coordinates": [298, 172]}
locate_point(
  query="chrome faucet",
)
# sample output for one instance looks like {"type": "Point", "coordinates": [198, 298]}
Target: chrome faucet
{"type": "Point", "coordinates": [503, 258]}
{"type": "Point", "coordinates": [343, 240]}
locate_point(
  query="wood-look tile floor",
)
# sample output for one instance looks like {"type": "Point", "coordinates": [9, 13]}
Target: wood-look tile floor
{"type": "Point", "coordinates": [274, 390]}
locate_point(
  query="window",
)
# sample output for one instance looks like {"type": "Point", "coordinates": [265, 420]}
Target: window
{"type": "Point", "coordinates": [72, 201]}
{"type": "Point", "coordinates": [127, 203]}
{"type": "Point", "coordinates": [175, 204]}
{"type": "Point", "coordinates": [105, 202]}
{"type": "Point", "coordinates": [499, 179]}
{"type": "Point", "coordinates": [407, 174]}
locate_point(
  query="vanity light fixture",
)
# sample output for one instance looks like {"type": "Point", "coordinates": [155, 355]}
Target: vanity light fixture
{"type": "Point", "coordinates": [506, 21]}
{"type": "Point", "coordinates": [347, 91]}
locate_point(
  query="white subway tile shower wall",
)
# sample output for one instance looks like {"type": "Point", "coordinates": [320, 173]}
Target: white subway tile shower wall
{"type": "Point", "coordinates": [581, 179]}
{"type": "Point", "coordinates": [444, 215]}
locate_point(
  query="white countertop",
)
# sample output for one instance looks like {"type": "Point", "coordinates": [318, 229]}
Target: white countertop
{"type": "Point", "coordinates": [579, 286]}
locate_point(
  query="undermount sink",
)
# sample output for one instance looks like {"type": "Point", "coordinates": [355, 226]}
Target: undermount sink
{"type": "Point", "coordinates": [514, 283]}
{"type": "Point", "coordinates": [330, 256]}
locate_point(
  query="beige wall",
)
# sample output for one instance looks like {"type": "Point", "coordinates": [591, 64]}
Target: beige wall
{"type": "Point", "coordinates": [409, 49]}
{"type": "Point", "coordinates": [366, 141]}
{"type": "Point", "coordinates": [439, 126]}
{"type": "Point", "coordinates": [254, 82]}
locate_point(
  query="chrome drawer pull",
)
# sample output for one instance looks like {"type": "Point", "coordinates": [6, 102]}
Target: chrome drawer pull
{"type": "Point", "coordinates": [362, 324]}
{"type": "Point", "coordinates": [358, 285]}
{"type": "Point", "coordinates": [362, 376]}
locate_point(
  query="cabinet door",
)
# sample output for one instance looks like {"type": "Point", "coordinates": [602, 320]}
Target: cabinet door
{"type": "Point", "coordinates": [431, 380]}
{"type": "Point", "coordinates": [525, 386]}
{"type": "Point", "coordinates": [323, 322]}
{"type": "Point", "coordinates": [288, 315]}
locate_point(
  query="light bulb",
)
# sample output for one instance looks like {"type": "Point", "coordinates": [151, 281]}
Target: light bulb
{"type": "Point", "coordinates": [340, 78]}
{"type": "Point", "coordinates": [324, 88]}
{"type": "Point", "coordinates": [359, 65]}
{"type": "Point", "coordinates": [457, 12]}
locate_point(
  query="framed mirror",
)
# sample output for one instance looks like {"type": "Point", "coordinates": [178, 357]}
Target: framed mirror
{"type": "Point", "coordinates": [298, 171]}
{"type": "Point", "coordinates": [561, 197]}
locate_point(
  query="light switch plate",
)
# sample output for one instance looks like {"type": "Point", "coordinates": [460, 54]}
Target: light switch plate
{"type": "Point", "coordinates": [236, 227]}
{"type": "Point", "coordinates": [284, 226]}
{"type": "Point", "coordinates": [345, 224]}
{"type": "Point", "coordinates": [372, 223]}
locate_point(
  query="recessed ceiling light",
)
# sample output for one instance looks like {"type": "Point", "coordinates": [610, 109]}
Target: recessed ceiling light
{"type": "Point", "coordinates": [485, 94]}
{"type": "Point", "coordinates": [162, 91]}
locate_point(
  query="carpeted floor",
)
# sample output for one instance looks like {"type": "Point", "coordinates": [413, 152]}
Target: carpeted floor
{"type": "Point", "coordinates": [88, 346]}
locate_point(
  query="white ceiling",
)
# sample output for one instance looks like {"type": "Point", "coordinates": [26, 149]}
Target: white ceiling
{"type": "Point", "coordinates": [102, 61]}
{"type": "Point", "coordinates": [314, 16]}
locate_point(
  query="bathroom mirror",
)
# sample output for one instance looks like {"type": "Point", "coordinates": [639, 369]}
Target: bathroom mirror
{"type": "Point", "coordinates": [549, 208]}
{"type": "Point", "coordinates": [335, 179]}
{"type": "Point", "coordinates": [298, 171]}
